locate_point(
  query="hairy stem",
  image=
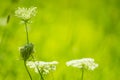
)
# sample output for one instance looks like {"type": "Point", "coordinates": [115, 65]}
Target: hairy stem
{"type": "Point", "coordinates": [42, 78]}
{"type": "Point", "coordinates": [26, 30]}
{"type": "Point", "coordinates": [27, 70]}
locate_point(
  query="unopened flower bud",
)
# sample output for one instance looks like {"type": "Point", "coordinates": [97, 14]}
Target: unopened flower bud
{"type": "Point", "coordinates": [26, 51]}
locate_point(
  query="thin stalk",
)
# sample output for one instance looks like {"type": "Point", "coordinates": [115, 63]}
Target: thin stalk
{"type": "Point", "coordinates": [82, 74]}
{"type": "Point", "coordinates": [27, 70]}
{"type": "Point", "coordinates": [40, 73]}
{"type": "Point", "coordinates": [42, 78]}
{"type": "Point", "coordinates": [26, 30]}
{"type": "Point", "coordinates": [52, 76]}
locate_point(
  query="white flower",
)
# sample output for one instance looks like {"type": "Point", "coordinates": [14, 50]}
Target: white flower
{"type": "Point", "coordinates": [44, 67]}
{"type": "Point", "coordinates": [25, 13]}
{"type": "Point", "coordinates": [86, 63]}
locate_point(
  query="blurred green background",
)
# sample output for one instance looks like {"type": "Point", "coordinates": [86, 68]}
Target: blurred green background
{"type": "Point", "coordinates": [62, 30]}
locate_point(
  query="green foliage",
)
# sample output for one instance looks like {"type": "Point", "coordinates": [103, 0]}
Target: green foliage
{"type": "Point", "coordinates": [63, 30]}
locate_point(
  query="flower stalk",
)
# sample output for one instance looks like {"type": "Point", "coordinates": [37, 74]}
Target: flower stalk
{"type": "Point", "coordinates": [26, 30]}
{"type": "Point", "coordinates": [42, 78]}
{"type": "Point", "coordinates": [27, 37]}
{"type": "Point", "coordinates": [27, 70]}
{"type": "Point", "coordinates": [82, 75]}
{"type": "Point", "coordinates": [52, 76]}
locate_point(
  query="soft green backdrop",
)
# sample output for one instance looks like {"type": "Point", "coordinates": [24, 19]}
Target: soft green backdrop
{"type": "Point", "coordinates": [63, 30]}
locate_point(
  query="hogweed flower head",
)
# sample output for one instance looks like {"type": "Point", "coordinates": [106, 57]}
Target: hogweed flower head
{"type": "Point", "coordinates": [85, 63]}
{"type": "Point", "coordinates": [26, 51]}
{"type": "Point", "coordinates": [44, 67]}
{"type": "Point", "coordinates": [25, 14]}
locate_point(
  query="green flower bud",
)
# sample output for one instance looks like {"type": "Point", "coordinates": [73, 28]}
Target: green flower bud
{"type": "Point", "coordinates": [26, 51]}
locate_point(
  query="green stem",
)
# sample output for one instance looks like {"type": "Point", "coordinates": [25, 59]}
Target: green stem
{"type": "Point", "coordinates": [26, 30]}
{"type": "Point", "coordinates": [42, 78]}
{"type": "Point", "coordinates": [52, 76]}
{"type": "Point", "coordinates": [82, 74]}
{"type": "Point", "coordinates": [40, 73]}
{"type": "Point", "coordinates": [27, 70]}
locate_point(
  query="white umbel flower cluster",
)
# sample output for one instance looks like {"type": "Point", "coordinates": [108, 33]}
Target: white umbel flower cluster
{"type": "Point", "coordinates": [44, 67]}
{"type": "Point", "coordinates": [86, 63]}
{"type": "Point", "coordinates": [25, 13]}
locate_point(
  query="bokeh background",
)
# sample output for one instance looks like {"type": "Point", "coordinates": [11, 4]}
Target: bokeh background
{"type": "Point", "coordinates": [62, 30]}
